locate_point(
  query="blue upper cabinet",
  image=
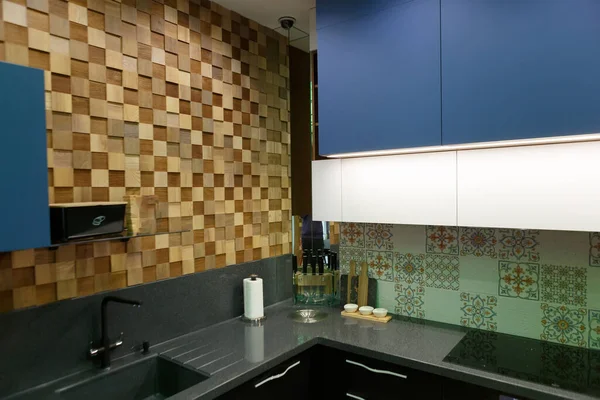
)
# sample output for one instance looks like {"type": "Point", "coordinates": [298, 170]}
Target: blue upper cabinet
{"type": "Point", "coordinates": [515, 69]}
{"type": "Point", "coordinates": [23, 165]}
{"type": "Point", "coordinates": [330, 12]}
{"type": "Point", "coordinates": [379, 75]}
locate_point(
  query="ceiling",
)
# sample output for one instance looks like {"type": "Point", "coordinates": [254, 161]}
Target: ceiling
{"type": "Point", "coordinates": [268, 12]}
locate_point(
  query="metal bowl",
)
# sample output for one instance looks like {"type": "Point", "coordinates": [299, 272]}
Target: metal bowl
{"type": "Point", "coordinates": [308, 316]}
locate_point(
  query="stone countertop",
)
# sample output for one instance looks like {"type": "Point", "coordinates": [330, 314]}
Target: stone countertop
{"type": "Point", "coordinates": [234, 352]}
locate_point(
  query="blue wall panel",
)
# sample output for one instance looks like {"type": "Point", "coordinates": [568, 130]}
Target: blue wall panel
{"type": "Point", "coordinates": [23, 164]}
{"type": "Point", "coordinates": [519, 69]}
{"type": "Point", "coordinates": [379, 80]}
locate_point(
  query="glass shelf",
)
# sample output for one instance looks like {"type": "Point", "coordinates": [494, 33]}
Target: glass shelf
{"type": "Point", "coordinates": [123, 237]}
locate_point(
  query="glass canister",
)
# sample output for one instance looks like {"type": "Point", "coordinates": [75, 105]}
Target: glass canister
{"type": "Point", "coordinates": [317, 280]}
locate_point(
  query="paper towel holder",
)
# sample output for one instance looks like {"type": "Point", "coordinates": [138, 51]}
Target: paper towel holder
{"type": "Point", "coordinates": [254, 321]}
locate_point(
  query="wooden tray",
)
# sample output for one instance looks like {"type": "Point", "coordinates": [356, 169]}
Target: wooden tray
{"type": "Point", "coordinates": [371, 317]}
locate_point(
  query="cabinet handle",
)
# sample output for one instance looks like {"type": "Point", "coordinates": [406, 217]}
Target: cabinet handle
{"type": "Point", "coordinates": [353, 396]}
{"type": "Point", "coordinates": [377, 371]}
{"type": "Point", "coordinates": [278, 375]}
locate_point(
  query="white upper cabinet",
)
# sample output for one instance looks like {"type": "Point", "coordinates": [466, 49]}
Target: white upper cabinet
{"type": "Point", "coordinates": [417, 189]}
{"type": "Point", "coordinates": [327, 190]}
{"type": "Point", "coordinates": [534, 187]}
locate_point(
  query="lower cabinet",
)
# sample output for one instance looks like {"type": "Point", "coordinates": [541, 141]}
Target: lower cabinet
{"type": "Point", "coordinates": [372, 379]}
{"type": "Point", "coordinates": [326, 373]}
{"type": "Point", "coordinates": [290, 380]}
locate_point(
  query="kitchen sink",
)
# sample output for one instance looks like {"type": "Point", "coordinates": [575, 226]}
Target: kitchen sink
{"type": "Point", "coordinates": [148, 379]}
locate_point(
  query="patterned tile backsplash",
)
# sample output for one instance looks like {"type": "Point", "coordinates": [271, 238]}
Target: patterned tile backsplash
{"type": "Point", "coordinates": [538, 284]}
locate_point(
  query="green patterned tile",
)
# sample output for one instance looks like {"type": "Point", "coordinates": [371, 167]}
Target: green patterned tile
{"type": "Point", "coordinates": [386, 295]}
{"type": "Point", "coordinates": [478, 242]}
{"type": "Point", "coordinates": [593, 287]}
{"type": "Point", "coordinates": [519, 245]}
{"type": "Point", "coordinates": [565, 325]}
{"type": "Point", "coordinates": [441, 272]}
{"type": "Point", "coordinates": [518, 317]}
{"type": "Point", "coordinates": [479, 311]}
{"type": "Point", "coordinates": [564, 285]}
{"type": "Point", "coordinates": [380, 265]}
{"type": "Point", "coordinates": [441, 240]}
{"type": "Point", "coordinates": [478, 275]}
{"type": "Point", "coordinates": [594, 249]}
{"type": "Point", "coordinates": [348, 254]}
{"type": "Point", "coordinates": [564, 248]}
{"type": "Point", "coordinates": [442, 305]}
{"type": "Point", "coordinates": [352, 234]}
{"type": "Point", "coordinates": [409, 268]}
{"type": "Point", "coordinates": [409, 238]}
{"type": "Point", "coordinates": [519, 279]}
{"type": "Point", "coordinates": [379, 237]}
{"type": "Point", "coordinates": [594, 329]}
{"type": "Point", "coordinates": [410, 300]}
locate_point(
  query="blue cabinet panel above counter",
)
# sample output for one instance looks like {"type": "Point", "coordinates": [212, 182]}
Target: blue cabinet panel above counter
{"type": "Point", "coordinates": [379, 80]}
{"type": "Point", "coordinates": [23, 162]}
{"type": "Point", "coordinates": [519, 69]}
{"type": "Point", "coordinates": [398, 74]}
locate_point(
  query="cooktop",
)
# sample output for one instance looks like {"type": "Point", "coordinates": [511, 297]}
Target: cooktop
{"type": "Point", "coordinates": [546, 363]}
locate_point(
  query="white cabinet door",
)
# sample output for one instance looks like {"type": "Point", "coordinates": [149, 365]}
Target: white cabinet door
{"type": "Point", "coordinates": [416, 189]}
{"type": "Point", "coordinates": [532, 187]}
{"type": "Point", "coordinates": [327, 190]}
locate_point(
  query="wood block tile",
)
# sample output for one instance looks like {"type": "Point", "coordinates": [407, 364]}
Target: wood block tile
{"type": "Point", "coordinates": [46, 294]}
{"type": "Point", "coordinates": [84, 268]}
{"type": "Point", "coordinates": [6, 279]}
{"type": "Point", "coordinates": [86, 286]}
{"type": "Point", "coordinates": [66, 289]}
{"type": "Point", "coordinates": [45, 273]}
{"type": "Point", "coordinates": [59, 27]}
{"type": "Point", "coordinates": [20, 259]}
{"type": "Point", "coordinates": [118, 262]}
{"type": "Point", "coordinates": [24, 297]}
{"type": "Point", "coordinates": [149, 274]}
{"type": "Point", "coordinates": [14, 13]}
{"type": "Point", "coordinates": [135, 276]}
{"type": "Point", "coordinates": [39, 5]}
{"type": "Point", "coordinates": [146, 99]}
{"type": "Point", "coordinates": [78, 14]}
{"type": "Point", "coordinates": [118, 280]}
{"type": "Point", "coordinates": [39, 40]}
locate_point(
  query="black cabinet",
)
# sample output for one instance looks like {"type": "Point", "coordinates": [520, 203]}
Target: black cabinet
{"type": "Point", "coordinates": [289, 380]}
{"type": "Point", "coordinates": [325, 373]}
{"type": "Point", "coordinates": [368, 378]}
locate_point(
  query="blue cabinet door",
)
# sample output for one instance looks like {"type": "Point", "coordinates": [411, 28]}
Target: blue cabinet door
{"type": "Point", "coordinates": [24, 169]}
{"type": "Point", "coordinates": [379, 80]}
{"type": "Point", "coordinates": [330, 12]}
{"type": "Point", "coordinates": [515, 69]}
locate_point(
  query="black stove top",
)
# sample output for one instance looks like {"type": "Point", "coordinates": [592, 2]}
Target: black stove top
{"type": "Point", "coordinates": [556, 365]}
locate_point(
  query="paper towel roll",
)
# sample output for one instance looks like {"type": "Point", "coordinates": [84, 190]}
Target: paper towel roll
{"type": "Point", "coordinates": [253, 298]}
{"type": "Point", "coordinates": [254, 343]}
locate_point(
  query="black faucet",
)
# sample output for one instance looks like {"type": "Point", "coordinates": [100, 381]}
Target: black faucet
{"type": "Point", "coordinates": [106, 346]}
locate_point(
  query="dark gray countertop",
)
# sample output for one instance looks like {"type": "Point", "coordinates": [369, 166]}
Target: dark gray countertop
{"type": "Point", "coordinates": [234, 352]}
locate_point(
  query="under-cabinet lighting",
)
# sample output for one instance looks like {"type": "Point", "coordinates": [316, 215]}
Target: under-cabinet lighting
{"type": "Point", "coordinates": [592, 137]}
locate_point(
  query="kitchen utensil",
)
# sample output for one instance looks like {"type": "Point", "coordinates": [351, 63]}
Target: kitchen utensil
{"type": "Point", "coordinates": [351, 275]}
{"type": "Point", "coordinates": [363, 285]}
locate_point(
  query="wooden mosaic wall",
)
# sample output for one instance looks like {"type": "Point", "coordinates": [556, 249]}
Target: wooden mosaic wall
{"type": "Point", "coordinates": [183, 100]}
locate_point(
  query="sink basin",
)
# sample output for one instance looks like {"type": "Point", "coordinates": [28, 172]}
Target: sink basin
{"type": "Point", "coordinates": [308, 316]}
{"type": "Point", "coordinates": [149, 379]}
